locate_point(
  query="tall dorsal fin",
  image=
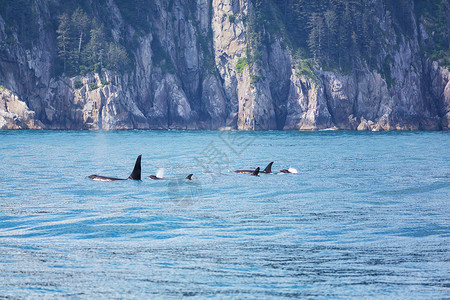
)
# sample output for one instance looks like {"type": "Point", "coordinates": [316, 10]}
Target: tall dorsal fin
{"type": "Point", "coordinates": [189, 177]}
{"type": "Point", "coordinates": [268, 169]}
{"type": "Point", "coordinates": [136, 174]}
{"type": "Point", "coordinates": [256, 172]}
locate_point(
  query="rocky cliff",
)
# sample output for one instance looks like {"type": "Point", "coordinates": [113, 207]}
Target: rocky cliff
{"type": "Point", "coordinates": [199, 76]}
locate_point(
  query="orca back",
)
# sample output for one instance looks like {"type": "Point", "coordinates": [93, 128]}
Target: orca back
{"type": "Point", "coordinates": [136, 174]}
{"type": "Point", "coordinates": [244, 171]}
{"type": "Point", "coordinates": [103, 178]}
{"type": "Point", "coordinates": [268, 169]}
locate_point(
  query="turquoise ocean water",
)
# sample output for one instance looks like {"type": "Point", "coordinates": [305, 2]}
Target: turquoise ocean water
{"type": "Point", "coordinates": [367, 215]}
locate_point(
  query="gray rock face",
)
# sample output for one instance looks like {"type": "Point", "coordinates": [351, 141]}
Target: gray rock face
{"type": "Point", "coordinates": [14, 113]}
{"type": "Point", "coordinates": [439, 88]}
{"type": "Point", "coordinates": [198, 85]}
{"type": "Point", "coordinates": [307, 107]}
{"type": "Point", "coordinates": [215, 102]}
{"type": "Point", "coordinates": [229, 43]}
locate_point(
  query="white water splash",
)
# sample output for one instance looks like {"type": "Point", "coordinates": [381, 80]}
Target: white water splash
{"type": "Point", "coordinates": [292, 170]}
{"type": "Point", "coordinates": [160, 173]}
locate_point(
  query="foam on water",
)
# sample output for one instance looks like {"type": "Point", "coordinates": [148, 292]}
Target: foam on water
{"type": "Point", "coordinates": [292, 170]}
{"type": "Point", "coordinates": [366, 217]}
{"type": "Point", "coordinates": [160, 173]}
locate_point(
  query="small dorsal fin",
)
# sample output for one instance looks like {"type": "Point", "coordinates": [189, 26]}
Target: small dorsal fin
{"type": "Point", "coordinates": [268, 169]}
{"type": "Point", "coordinates": [256, 172]}
{"type": "Point", "coordinates": [136, 174]}
{"type": "Point", "coordinates": [189, 177]}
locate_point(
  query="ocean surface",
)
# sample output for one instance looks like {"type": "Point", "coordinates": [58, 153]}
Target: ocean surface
{"type": "Point", "coordinates": [367, 215]}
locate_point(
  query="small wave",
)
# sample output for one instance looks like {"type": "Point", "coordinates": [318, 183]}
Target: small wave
{"type": "Point", "coordinates": [329, 129]}
{"type": "Point", "coordinates": [417, 190]}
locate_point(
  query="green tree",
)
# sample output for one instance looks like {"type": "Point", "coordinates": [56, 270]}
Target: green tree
{"type": "Point", "coordinates": [64, 40]}
{"type": "Point", "coordinates": [331, 34]}
{"type": "Point", "coordinates": [117, 57]}
{"type": "Point", "coordinates": [95, 50]}
{"type": "Point", "coordinates": [316, 36]}
{"type": "Point", "coordinates": [80, 24]}
{"type": "Point", "coordinates": [345, 38]}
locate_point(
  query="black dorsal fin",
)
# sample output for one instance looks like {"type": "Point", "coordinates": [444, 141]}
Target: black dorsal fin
{"type": "Point", "coordinates": [256, 172]}
{"type": "Point", "coordinates": [136, 174]}
{"type": "Point", "coordinates": [189, 177]}
{"type": "Point", "coordinates": [268, 169]}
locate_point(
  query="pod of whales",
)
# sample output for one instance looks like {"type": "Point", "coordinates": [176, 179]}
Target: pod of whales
{"type": "Point", "coordinates": [135, 175]}
{"type": "Point", "coordinates": [267, 170]}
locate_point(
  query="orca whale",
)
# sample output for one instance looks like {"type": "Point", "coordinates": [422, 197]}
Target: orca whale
{"type": "Point", "coordinates": [135, 175]}
{"type": "Point", "coordinates": [289, 171]}
{"type": "Point", "coordinates": [256, 172]}
{"type": "Point", "coordinates": [154, 177]}
{"type": "Point", "coordinates": [267, 170]}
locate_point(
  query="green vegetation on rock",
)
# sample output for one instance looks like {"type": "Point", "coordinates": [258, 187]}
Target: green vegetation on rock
{"type": "Point", "coordinates": [93, 86]}
{"type": "Point", "coordinates": [104, 82]}
{"type": "Point", "coordinates": [84, 46]}
{"type": "Point", "coordinates": [336, 33]}
{"type": "Point", "coordinates": [331, 32]}
{"type": "Point", "coordinates": [241, 64]}
{"type": "Point", "coordinates": [78, 84]}
{"type": "Point", "coordinates": [20, 18]}
{"type": "Point", "coordinates": [436, 24]}
{"type": "Point", "coordinates": [306, 68]}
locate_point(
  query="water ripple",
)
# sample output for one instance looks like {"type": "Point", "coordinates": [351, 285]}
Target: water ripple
{"type": "Point", "coordinates": [366, 217]}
